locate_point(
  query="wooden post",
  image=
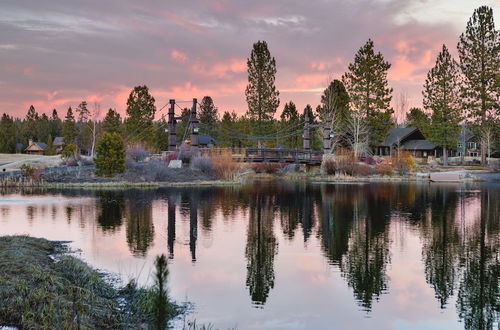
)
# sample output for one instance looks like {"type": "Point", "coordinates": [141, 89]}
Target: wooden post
{"type": "Point", "coordinates": [327, 140]}
{"type": "Point", "coordinates": [172, 138]}
{"type": "Point", "coordinates": [195, 141]}
{"type": "Point", "coordinates": [307, 134]}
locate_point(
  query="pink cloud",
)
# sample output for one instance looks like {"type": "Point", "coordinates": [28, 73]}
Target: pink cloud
{"type": "Point", "coordinates": [220, 69]}
{"type": "Point", "coordinates": [178, 56]}
{"type": "Point", "coordinates": [25, 70]}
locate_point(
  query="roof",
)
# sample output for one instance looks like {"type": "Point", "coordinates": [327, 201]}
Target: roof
{"type": "Point", "coordinates": [40, 145]}
{"type": "Point", "coordinates": [58, 141]}
{"type": "Point", "coordinates": [418, 145]}
{"type": "Point", "coordinates": [205, 140]}
{"type": "Point", "coordinates": [397, 134]}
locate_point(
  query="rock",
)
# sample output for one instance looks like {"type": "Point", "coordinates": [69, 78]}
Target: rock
{"type": "Point", "coordinates": [176, 163]}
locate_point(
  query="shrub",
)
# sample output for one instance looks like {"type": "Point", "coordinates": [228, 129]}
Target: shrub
{"type": "Point", "coordinates": [329, 166]}
{"type": "Point", "coordinates": [202, 163]}
{"type": "Point", "coordinates": [370, 161]}
{"type": "Point", "coordinates": [110, 158]}
{"type": "Point", "coordinates": [137, 153]}
{"type": "Point", "coordinates": [70, 150]}
{"type": "Point", "coordinates": [360, 169]}
{"type": "Point", "coordinates": [385, 168]}
{"type": "Point", "coordinates": [224, 165]}
{"type": "Point", "coordinates": [185, 154]}
{"type": "Point", "coordinates": [270, 168]}
{"type": "Point", "coordinates": [403, 162]}
{"type": "Point", "coordinates": [169, 157]}
{"type": "Point", "coordinates": [29, 171]}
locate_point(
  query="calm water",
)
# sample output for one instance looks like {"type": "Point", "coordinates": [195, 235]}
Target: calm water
{"type": "Point", "coordinates": [292, 256]}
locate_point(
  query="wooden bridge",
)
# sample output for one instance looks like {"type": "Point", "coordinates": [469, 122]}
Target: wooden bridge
{"type": "Point", "coordinates": [272, 155]}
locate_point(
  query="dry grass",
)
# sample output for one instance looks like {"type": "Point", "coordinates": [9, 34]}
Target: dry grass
{"type": "Point", "coordinates": [39, 293]}
{"type": "Point", "coordinates": [224, 166]}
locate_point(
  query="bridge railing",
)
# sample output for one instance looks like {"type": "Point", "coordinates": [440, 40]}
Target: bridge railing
{"type": "Point", "coordinates": [282, 155]}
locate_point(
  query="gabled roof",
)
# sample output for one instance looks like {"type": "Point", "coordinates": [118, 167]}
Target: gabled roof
{"type": "Point", "coordinates": [58, 141]}
{"type": "Point", "coordinates": [40, 145]}
{"type": "Point", "coordinates": [397, 134]}
{"type": "Point", "coordinates": [418, 145]}
{"type": "Point", "coordinates": [205, 140]}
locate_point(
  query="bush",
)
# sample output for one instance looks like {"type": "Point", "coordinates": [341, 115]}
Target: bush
{"type": "Point", "coordinates": [361, 169]}
{"type": "Point", "coordinates": [29, 171]}
{"type": "Point", "coordinates": [224, 165]}
{"type": "Point", "coordinates": [169, 157]}
{"type": "Point", "coordinates": [342, 161]}
{"type": "Point", "coordinates": [403, 162]}
{"type": "Point", "coordinates": [370, 161]}
{"type": "Point", "coordinates": [385, 168]}
{"type": "Point", "coordinates": [185, 154]}
{"type": "Point", "coordinates": [329, 166]}
{"type": "Point", "coordinates": [203, 164]}
{"type": "Point", "coordinates": [70, 150]}
{"type": "Point", "coordinates": [269, 168]}
{"type": "Point", "coordinates": [110, 158]}
{"type": "Point", "coordinates": [137, 153]}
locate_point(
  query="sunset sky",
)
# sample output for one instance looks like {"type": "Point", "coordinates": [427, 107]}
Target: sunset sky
{"type": "Point", "coordinates": [57, 53]}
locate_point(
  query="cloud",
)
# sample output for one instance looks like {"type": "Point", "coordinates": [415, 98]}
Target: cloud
{"type": "Point", "coordinates": [180, 49]}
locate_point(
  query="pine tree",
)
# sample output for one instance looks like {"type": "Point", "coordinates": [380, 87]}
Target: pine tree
{"type": "Point", "coordinates": [261, 93]}
{"type": "Point", "coordinates": [69, 129]}
{"type": "Point", "coordinates": [112, 122]}
{"type": "Point", "coordinates": [55, 124]}
{"type": "Point", "coordinates": [442, 96]}
{"type": "Point", "coordinates": [141, 110]}
{"type": "Point", "coordinates": [290, 124]}
{"type": "Point", "coordinates": [30, 124]}
{"type": "Point", "coordinates": [335, 102]}
{"type": "Point", "coordinates": [43, 128]}
{"type": "Point", "coordinates": [208, 115]}
{"type": "Point", "coordinates": [369, 93]}
{"type": "Point", "coordinates": [479, 52]}
{"type": "Point", "coordinates": [110, 155]}
{"type": "Point", "coordinates": [50, 150]}
{"type": "Point", "coordinates": [419, 119]}
{"type": "Point", "coordinates": [7, 134]}
{"type": "Point", "coordinates": [82, 112]}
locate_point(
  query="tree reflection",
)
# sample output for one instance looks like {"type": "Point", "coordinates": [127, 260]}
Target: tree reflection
{"type": "Point", "coordinates": [140, 229]}
{"type": "Point", "coordinates": [111, 205]}
{"type": "Point", "coordinates": [478, 292]}
{"type": "Point", "coordinates": [261, 248]}
{"type": "Point", "coordinates": [440, 248]}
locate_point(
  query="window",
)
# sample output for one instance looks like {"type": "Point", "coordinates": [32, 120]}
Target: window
{"type": "Point", "coordinates": [471, 145]}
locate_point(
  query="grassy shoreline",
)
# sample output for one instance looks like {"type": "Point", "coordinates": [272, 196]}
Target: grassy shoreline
{"type": "Point", "coordinates": [42, 287]}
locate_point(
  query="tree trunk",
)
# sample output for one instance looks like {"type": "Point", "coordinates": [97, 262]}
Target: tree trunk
{"type": "Point", "coordinates": [445, 156]}
{"type": "Point", "coordinates": [483, 151]}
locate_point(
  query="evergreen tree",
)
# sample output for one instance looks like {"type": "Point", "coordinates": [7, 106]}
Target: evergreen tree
{"type": "Point", "coordinates": [369, 93]}
{"type": "Point", "coordinates": [441, 96]}
{"type": "Point", "coordinates": [43, 128]}
{"type": "Point", "coordinates": [110, 155]}
{"type": "Point", "coordinates": [335, 102]}
{"type": "Point", "coordinates": [419, 119]}
{"type": "Point", "coordinates": [69, 130]}
{"type": "Point", "coordinates": [30, 125]}
{"type": "Point", "coordinates": [55, 124]}
{"type": "Point", "coordinates": [7, 134]}
{"type": "Point", "coordinates": [208, 116]}
{"type": "Point", "coordinates": [50, 150]}
{"type": "Point", "coordinates": [479, 52]}
{"type": "Point", "coordinates": [261, 93]}
{"type": "Point", "coordinates": [112, 122]}
{"type": "Point", "coordinates": [289, 124]}
{"type": "Point", "coordinates": [141, 110]}
{"type": "Point", "coordinates": [82, 112]}
{"type": "Point", "coordinates": [181, 128]}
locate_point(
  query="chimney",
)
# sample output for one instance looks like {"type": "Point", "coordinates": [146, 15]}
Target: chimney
{"type": "Point", "coordinates": [30, 142]}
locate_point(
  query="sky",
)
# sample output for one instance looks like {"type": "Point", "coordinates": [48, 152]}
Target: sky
{"type": "Point", "coordinates": [54, 54]}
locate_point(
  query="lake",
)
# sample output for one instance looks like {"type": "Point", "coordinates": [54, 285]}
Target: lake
{"type": "Point", "coordinates": [277, 255]}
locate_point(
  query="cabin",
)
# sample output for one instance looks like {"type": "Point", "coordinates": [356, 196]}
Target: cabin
{"type": "Point", "coordinates": [409, 139]}
{"type": "Point", "coordinates": [58, 144]}
{"type": "Point", "coordinates": [35, 148]}
{"type": "Point", "coordinates": [206, 141]}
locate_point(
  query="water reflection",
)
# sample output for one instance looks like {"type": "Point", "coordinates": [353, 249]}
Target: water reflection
{"type": "Point", "coordinates": [458, 229]}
